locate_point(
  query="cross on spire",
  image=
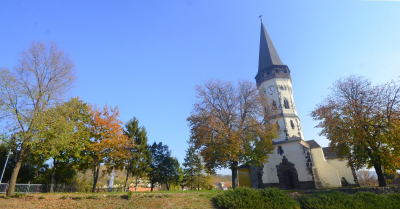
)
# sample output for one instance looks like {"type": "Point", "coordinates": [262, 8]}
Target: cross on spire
{"type": "Point", "coordinates": [260, 17]}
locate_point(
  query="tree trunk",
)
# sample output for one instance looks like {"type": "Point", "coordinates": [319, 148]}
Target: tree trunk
{"type": "Point", "coordinates": [14, 175]}
{"type": "Point", "coordinates": [198, 183]}
{"type": "Point", "coordinates": [95, 177]}
{"type": "Point", "coordinates": [234, 168]}
{"type": "Point", "coordinates": [152, 183]}
{"type": "Point", "coordinates": [53, 175]}
{"type": "Point", "coordinates": [381, 177]}
{"type": "Point", "coordinates": [136, 183]}
{"type": "Point", "coordinates": [167, 185]}
{"type": "Point", "coordinates": [126, 180]}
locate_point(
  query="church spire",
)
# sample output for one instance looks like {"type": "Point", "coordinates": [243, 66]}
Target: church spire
{"type": "Point", "coordinates": [270, 65]}
{"type": "Point", "coordinates": [268, 55]}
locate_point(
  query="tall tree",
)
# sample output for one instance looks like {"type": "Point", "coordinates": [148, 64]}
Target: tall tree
{"type": "Point", "coordinates": [107, 144]}
{"type": "Point", "coordinates": [193, 169]}
{"type": "Point", "coordinates": [231, 124]}
{"type": "Point", "coordinates": [159, 155]}
{"type": "Point", "coordinates": [139, 156]}
{"type": "Point", "coordinates": [42, 77]}
{"type": "Point", "coordinates": [170, 172]}
{"type": "Point", "coordinates": [62, 134]}
{"type": "Point", "coordinates": [362, 122]}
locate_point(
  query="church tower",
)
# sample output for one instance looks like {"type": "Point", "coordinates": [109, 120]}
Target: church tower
{"type": "Point", "coordinates": [289, 166]}
{"type": "Point", "coordinates": [273, 80]}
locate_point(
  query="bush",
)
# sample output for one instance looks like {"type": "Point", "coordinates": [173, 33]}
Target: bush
{"type": "Point", "coordinates": [129, 195]}
{"type": "Point", "coordinates": [333, 199]}
{"type": "Point", "coordinates": [240, 198]}
{"type": "Point", "coordinates": [276, 198]}
{"type": "Point", "coordinates": [360, 200]}
{"type": "Point", "coordinates": [373, 201]}
{"type": "Point", "coordinates": [18, 195]}
{"type": "Point", "coordinates": [251, 198]}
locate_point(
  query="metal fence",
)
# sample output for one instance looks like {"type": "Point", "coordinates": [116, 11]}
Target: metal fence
{"type": "Point", "coordinates": [45, 188]}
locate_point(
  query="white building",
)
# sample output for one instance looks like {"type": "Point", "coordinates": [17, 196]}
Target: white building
{"type": "Point", "coordinates": [295, 163]}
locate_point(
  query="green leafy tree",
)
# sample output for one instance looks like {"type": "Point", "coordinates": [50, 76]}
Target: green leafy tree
{"type": "Point", "coordinates": [139, 156]}
{"type": "Point", "coordinates": [158, 154]}
{"type": "Point", "coordinates": [164, 168]}
{"type": "Point", "coordinates": [31, 170]}
{"type": "Point", "coordinates": [231, 124]}
{"type": "Point", "coordinates": [362, 122]}
{"type": "Point", "coordinates": [39, 81]}
{"type": "Point", "coordinates": [170, 172]}
{"type": "Point", "coordinates": [63, 134]}
{"type": "Point", "coordinates": [193, 169]}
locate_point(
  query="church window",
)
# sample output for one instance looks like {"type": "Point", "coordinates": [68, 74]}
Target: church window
{"type": "Point", "coordinates": [286, 103]}
{"type": "Point", "coordinates": [280, 150]}
{"type": "Point", "coordinates": [273, 104]}
{"type": "Point", "coordinates": [292, 124]}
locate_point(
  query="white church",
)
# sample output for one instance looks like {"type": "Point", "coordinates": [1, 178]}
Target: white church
{"type": "Point", "coordinates": [295, 162]}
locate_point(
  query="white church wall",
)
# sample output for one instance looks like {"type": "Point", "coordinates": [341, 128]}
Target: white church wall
{"type": "Point", "coordinates": [327, 173]}
{"type": "Point", "coordinates": [343, 169]}
{"type": "Point", "coordinates": [294, 153]}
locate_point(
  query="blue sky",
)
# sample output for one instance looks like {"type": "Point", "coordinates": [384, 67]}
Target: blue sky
{"type": "Point", "coordinates": [147, 56]}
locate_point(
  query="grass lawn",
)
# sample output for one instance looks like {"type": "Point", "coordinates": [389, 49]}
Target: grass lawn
{"type": "Point", "coordinates": [196, 199]}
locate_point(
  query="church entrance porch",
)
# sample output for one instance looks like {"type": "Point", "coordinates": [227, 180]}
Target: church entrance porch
{"type": "Point", "coordinates": [287, 175]}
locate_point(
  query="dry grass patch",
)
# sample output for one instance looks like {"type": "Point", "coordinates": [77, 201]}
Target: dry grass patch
{"type": "Point", "coordinates": [138, 200]}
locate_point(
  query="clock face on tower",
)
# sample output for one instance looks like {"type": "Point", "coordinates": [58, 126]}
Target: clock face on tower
{"type": "Point", "coordinates": [271, 89]}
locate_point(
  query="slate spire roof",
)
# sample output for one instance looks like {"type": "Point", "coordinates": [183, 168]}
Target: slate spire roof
{"type": "Point", "coordinates": [268, 55]}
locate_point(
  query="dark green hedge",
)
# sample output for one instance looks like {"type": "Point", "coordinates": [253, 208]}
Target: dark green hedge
{"type": "Point", "coordinates": [361, 200]}
{"type": "Point", "coordinates": [277, 199]}
{"type": "Point", "coordinates": [252, 198]}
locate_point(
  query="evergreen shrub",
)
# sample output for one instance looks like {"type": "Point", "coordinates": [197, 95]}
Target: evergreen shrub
{"type": "Point", "coordinates": [277, 199]}
{"type": "Point", "coordinates": [326, 200]}
{"type": "Point", "coordinates": [243, 197]}
{"type": "Point", "coordinates": [339, 200]}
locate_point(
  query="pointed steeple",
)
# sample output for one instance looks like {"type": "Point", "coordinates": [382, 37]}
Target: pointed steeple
{"type": "Point", "coordinates": [270, 65]}
{"type": "Point", "coordinates": [268, 55]}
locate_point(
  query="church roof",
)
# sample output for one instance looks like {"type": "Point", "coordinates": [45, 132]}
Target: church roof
{"type": "Point", "coordinates": [313, 144]}
{"type": "Point", "coordinates": [329, 154]}
{"type": "Point", "coordinates": [268, 55]}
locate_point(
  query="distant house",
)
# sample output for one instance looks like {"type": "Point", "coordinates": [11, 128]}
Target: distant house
{"type": "Point", "coordinates": [221, 184]}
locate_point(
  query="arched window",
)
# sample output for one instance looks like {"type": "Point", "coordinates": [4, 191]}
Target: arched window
{"type": "Point", "coordinates": [286, 103]}
{"type": "Point", "coordinates": [292, 124]}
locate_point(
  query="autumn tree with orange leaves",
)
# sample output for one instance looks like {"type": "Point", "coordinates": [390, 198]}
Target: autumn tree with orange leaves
{"type": "Point", "coordinates": [362, 122]}
{"type": "Point", "coordinates": [108, 142]}
{"type": "Point", "coordinates": [230, 124]}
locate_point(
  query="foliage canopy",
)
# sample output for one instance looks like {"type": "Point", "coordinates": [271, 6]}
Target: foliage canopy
{"type": "Point", "coordinates": [230, 124]}
{"type": "Point", "coordinates": [362, 122]}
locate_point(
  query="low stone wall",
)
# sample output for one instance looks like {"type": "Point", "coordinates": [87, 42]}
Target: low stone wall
{"type": "Point", "coordinates": [375, 190]}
